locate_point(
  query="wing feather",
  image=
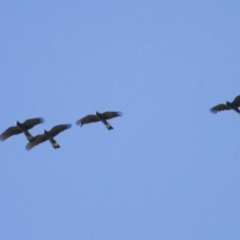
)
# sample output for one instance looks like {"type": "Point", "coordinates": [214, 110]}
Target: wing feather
{"type": "Point", "coordinates": [59, 128]}
{"type": "Point", "coordinates": [219, 107]}
{"type": "Point", "coordinates": [37, 140]}
{"type": "Point", "coordinates": [30, 123]}
{"type": "Point", "coordinates": [9, 132]}
{"type": "Point", "coordinates": [88, 119]}
{"type": "Point", "coordinates": [236, 101]}
{"type": "Point", "coordinates": [111, 114]}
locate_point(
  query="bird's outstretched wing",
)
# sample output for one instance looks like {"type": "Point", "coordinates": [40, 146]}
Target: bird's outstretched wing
{"type": "Point", "coordinates": [236, 101]}
{"type": "Point", "coordinates": [87, 119]}
{"type": "Point", "coordinates": [59, 128]}
{"type": "Point", "coordinates": [9, 132]}
{"type": "Point", "coordinates": [219, 107]}
{"type": "Point", "coordinates": [30, 123]}
{"type": "Point", "coordinates": [37, 140]}
{"type": "Point", "coordinates": [111, 114]}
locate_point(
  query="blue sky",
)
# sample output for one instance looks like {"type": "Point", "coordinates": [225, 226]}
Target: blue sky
{"type": "Point", "coordinates": [170, 168]}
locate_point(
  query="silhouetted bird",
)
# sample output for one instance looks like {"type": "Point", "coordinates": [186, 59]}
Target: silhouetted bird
{"type": "Point", "coordinates": [48, 135]}
{"type": "Point", "coordinates": [99, 117]}
{"type": "Point", "coordinates": [229, 105]}
{"type": "Point", "coordinates": [21, 128]}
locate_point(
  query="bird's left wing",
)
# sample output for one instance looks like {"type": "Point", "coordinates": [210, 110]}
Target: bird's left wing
{"type": "Point", "coordinates": [59, 128]}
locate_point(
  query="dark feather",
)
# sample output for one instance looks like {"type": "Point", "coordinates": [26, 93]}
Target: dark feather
{"type": "Point", "coordinates": [59, 128]}
{"type": "Point", "coordinates": [9, 132]}
{"type": "Point", "coordinates": [110, 114]}
{"type": "Point", "coordinates": [87, 119]}
{"type": "Point", "coordinates": [219, 107]}
{"type": "Point", "coordinates": [236, 101]}
{"type": "Point", "coordinates": [30, 123]}
{"type": "Point", "coordinates": [37, 140]}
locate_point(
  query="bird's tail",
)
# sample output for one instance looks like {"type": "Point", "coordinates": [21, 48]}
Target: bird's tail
{"type": "Point", "coordinates": [28, 136]}
{"type": "Point", "coordinates": [54, 144]}
{"type": "Point", "coordinates": [108, 126]}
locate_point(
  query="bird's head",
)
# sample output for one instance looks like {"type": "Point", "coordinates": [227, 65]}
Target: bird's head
{"type": "Point", "coordinates": [17, 123]}
{"type": "Point", "coordinates": [45, 132]}
{"type": "Point", "coordinates": [228, 103]}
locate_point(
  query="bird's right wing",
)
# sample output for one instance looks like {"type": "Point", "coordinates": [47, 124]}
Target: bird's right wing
{"type": "Point", "coordinates": [37, 140]}
{"type": "Point", "coordinates": [87, 119]}
{"type": "Point", "coordinates": [219, 107]}
{"type": "Point", "coordinates": [9, 132]}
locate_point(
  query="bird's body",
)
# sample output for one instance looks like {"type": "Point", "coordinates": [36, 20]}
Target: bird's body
{"type": "Point", "coordinates": [48, 135]}
{"type": "Point", "coordinates": [24, 130]}
{"type": "Point", "coordinates": [103, 120]}
{"type": "Point", "coordinates": [99, 117]}
{"type": "Point", "coordinates": [21, 128]}
{"type": "Point", "coordinates": [234, 105]}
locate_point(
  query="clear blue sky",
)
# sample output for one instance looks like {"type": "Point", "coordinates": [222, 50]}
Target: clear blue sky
{"type": "Point", "coordinates": [170, 169]}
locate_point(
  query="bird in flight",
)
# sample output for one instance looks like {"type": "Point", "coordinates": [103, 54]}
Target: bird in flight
{"type": "Point", "coordinates": [48, 135]}
{"type": "Point", "coordinates": [21, 128]}
{"type": "Point", "coordinates": [99, 117]}
{"type": "Point", "coordinates": [234, 105]}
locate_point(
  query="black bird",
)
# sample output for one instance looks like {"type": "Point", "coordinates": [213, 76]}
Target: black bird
{"type": "Point", "coordinates": [99, 117]}
{"type": "Point", "coordinates": [234, 105]}
{"type": "Point", "coordinates": [48, 135]}
{"type": "Point", "coordinates": [21, 128]}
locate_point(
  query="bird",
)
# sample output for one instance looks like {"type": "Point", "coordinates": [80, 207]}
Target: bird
{"type": "Point", "coordinates": [234, 105]}
{"type": "Point", "coordinates": [48, 135]}
{"type": "Point", "coordinates": [21, 128]}
{"type": "Point", "coordinates": [99, 117]}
